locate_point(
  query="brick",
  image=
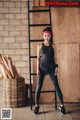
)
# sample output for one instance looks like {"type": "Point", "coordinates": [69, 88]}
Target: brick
{"type": "Point", "coordinates": [15, 33]}
{"type": "Point", "coordinates": [24, 33]}
{"type": "Point", "coordinates": [1, 16]}
{"type": "Point", "coordinates": [1, 51]}
{"type": "Point", "coordinates": [6, 4]}
{"type": "Point", "coordinates": [15, 45]}
{"type": "Point", "coordinates": [21, 51]}
{"type": "Point", "coordinates": [5, 45]}
{"type": "Point", "coordinates": [24, 5]}
{"type": "Point", "coordinates": [25, 0]}
{"type": "Point", "coordinates": [21, 27]}
{"type": "Point", "coordinates": [16, 57]}
{"type": "Point", "coordinates": [1, 27]}
{"type": "Point", "coordinates": [24, 57]}
{"type": "Point", "coordinates": [24, 10]}
{"type": "Point", "coordinates": [27, 4]}
{"type": "Point", "coordinates": [18, 4]}
{"type": "Point", "coordinates": [24, 16]}
{"type": "Point", "coordinates": [25, 70]}
{"type": "Point", "coordinates": [1, 4]}
{"type": "Point", "coordinates": [10, 27]}
{"type": "Point", "coordinates": [15, 10]}
{"type": "Point", "coordinates": [11, 4]}
{"type": "Point", "coordinates": [4, 21]}
{"type": "Point", "coordinates": [27, 63]}
{"type": "Point", "coordinates": [16, 0]}
{"type": "Point", "coordinates": [24, 21]}
{"type": "Point", "coordinates": [25, 45]}
{"type": "Point", "coordinates": [26, 76]}
{"type": "Point", "coordinates": [9, 39]}
{"type": "Point", "coordinates": [21, 39]}
{"type": "Point", "coordinates": [1, 39]}
{"type": "Point", "coordinates": [20, 64]}
{"type": "Point", "coordinates": [9, 51]}
{"type": "Point", "coordinates": [4, 10]}
{"type": "Point", "coordinates": [1, 83]}
{"type": "Point", "coordinates": [21, 16]}
{"type": "Point", "coordinates": [9, 16]}
{"type": "Point", "coordinates": [15, 22]}
{"type": "Point", "coordinates": [18, 16]}
{"type": "Point", "coordinates": [4, 33]}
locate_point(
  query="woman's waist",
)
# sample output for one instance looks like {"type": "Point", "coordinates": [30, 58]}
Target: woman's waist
{"type": "Point", "coordinates": [47, 65]}
{"type": "Point", "coordinates": [47, 62]}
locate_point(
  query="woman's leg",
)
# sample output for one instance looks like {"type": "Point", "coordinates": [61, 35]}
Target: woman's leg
{"type": "Point", "coordinates": [58, 91]}
{"type": "Point", "coordinates": [39, 87]}
{"type": "Point", "coordinates": [56, 85]}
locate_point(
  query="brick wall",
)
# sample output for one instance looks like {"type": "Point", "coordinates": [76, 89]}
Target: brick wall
{"type": "Point", "coordinates": [14, 33]}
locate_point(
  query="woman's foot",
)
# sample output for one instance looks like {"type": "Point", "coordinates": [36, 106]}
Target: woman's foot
{"type": "Point", "coordinates": [36, 110]}
{"type": "Point", "coordinates": [62, 110]}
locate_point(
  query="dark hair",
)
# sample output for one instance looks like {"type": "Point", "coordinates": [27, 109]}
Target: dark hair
{"type": "Point", "coordinates": [49, 29]}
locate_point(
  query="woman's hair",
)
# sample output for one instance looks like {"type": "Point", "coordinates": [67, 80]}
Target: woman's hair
{"type": "Point", "coordinates": [50, 30]}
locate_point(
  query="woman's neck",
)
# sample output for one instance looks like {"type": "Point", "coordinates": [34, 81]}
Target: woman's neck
{"type": "Point", "coordinates": [46, 44]}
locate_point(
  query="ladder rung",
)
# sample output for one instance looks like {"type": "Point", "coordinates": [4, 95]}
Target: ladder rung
{"type": "Point", "coordinates": [36, 40]}
{"type": "Point", "coordinates": [47, 91]}
{"type": "Point", "coordinates": [33, 74]}
{"type": "Point", "coordinates": [39, 11]}
{"type": "Point", "coordinates": [40, 25]}
{"type": "Point", "coordinates": [33, 56]}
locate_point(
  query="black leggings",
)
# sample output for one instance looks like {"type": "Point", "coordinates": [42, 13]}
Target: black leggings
{"type": "Point", "coordinates": [40, 83]}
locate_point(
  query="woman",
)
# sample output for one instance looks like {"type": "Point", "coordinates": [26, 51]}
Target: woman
{"type": "Point", "coordinates": [47, 65]}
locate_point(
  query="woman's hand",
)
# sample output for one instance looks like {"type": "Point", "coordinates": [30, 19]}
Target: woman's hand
{"type": "Point", "coordinates": [56, 71]}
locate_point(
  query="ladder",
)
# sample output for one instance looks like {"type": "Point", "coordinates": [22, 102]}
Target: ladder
{"type": "Point", "coordinates": [32, 57]}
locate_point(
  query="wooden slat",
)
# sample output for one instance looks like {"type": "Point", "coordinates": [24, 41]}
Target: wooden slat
{"type": "Point", "coordinates": [66, 25]}
{"type": "Point", "coordinates": [69, 71]}
{"type": "Point", "coordinates": [39, 3]}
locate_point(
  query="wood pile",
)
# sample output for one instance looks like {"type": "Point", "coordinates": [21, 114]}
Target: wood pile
{"type": "Point", "coordinates": [8, 70]}
{"type": "Point", "coordinates": [14, 89]}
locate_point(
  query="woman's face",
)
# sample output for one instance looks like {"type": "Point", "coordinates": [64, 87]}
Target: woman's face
{"type": "Point", "coordinates": [46, 37]}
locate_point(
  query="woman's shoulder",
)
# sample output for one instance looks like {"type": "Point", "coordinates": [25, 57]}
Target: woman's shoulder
{"type": "Point", "coordinates": [54, 46]}
{"type": "Point", "coordinates": [39, 45]}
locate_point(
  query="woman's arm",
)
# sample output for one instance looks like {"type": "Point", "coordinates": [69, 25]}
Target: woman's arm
{"type": "Point", "coordinates": [55, 58]}
{"type": "Point", "coordinates": [38, 59]}
{"type": "Point", "coordinates": [55, 53]}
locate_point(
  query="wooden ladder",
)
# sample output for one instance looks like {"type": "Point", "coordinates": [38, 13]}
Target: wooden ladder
{"type": "Point", "coordinates": [37, 40]}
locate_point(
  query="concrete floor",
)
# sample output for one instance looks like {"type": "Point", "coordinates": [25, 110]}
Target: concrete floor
{"type": "Point", "coordinates": [47, 112]}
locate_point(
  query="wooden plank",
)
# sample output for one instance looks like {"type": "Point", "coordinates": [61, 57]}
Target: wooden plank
{"type": "Point", "coordinates": [42, 3]}
{"type": "Point", "coordinates": [38, 19]}
{"type": "Point", "coordinates": [39, 3]}
{"type": "Point", "coordinates": [66, 25]}
{"type": "Point", "coordinates": [36, 3]}
{"type": "Point", "coordinates": [65, 31]}
{"type": "Point", "coordinates": [69, 71]}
